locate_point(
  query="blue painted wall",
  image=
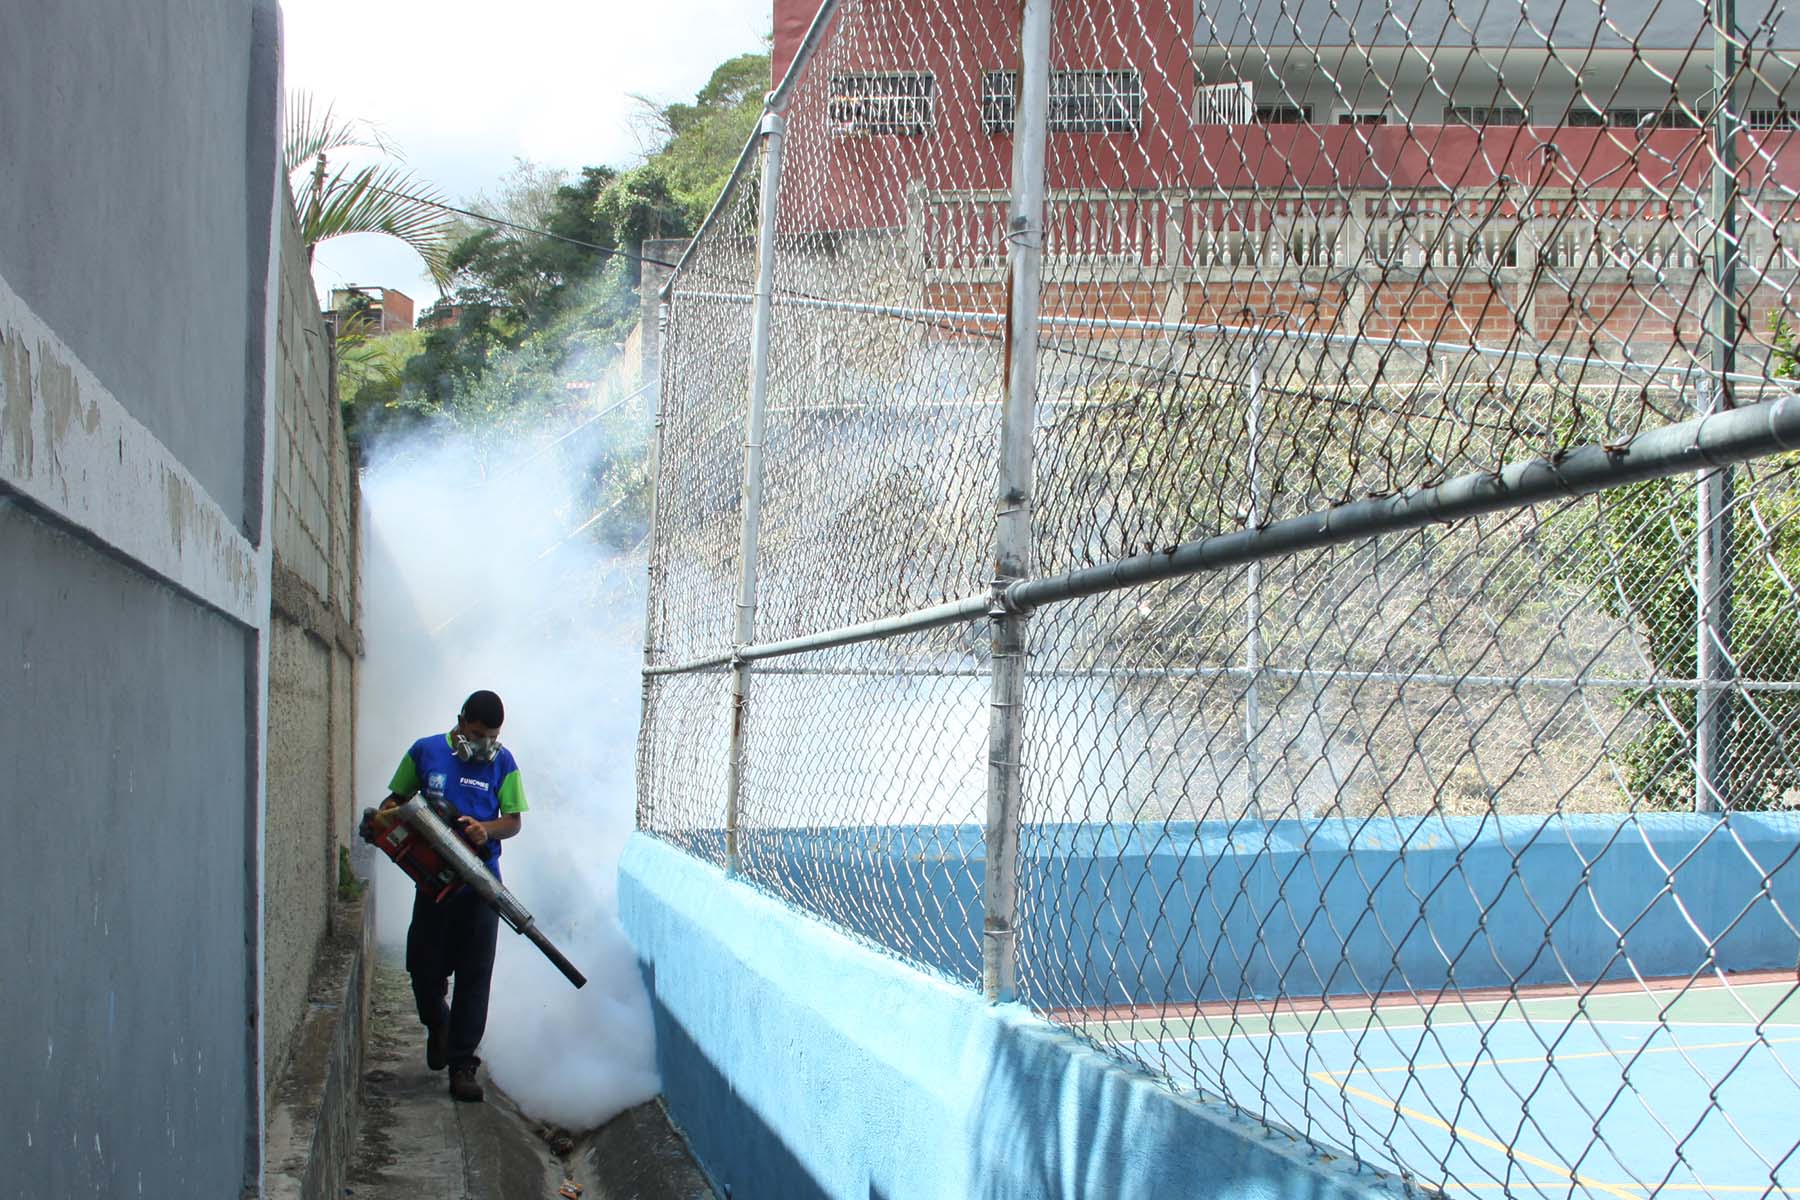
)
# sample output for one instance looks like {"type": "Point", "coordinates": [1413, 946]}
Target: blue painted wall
{"type": "Point", "coordinates": [802, 1063]}
{"type": "Point", "coordinates": [805, 1063]}
{"type": "Point", "coordinates": [1304, 908]}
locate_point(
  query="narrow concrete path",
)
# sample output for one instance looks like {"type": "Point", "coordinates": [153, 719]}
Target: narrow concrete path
{"type": "Point", "coordinates": [416, 1143]}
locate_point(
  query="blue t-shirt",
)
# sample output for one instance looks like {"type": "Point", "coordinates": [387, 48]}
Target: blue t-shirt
{"type": "Point", "coordinates": [483, 790]}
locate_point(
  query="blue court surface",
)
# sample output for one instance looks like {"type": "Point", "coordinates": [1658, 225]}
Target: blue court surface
{"type": "Point", "coordinates": [1656, 1090]}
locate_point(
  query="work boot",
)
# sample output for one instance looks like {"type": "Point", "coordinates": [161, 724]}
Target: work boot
{"type": "Point", "coordinates": [437, 1045]}
{"type": "Point", "coordinates": [463, 1084]}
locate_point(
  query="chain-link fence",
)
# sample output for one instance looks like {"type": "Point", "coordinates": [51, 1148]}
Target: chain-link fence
{"type": "Point", "coordinates": [1262, 531]}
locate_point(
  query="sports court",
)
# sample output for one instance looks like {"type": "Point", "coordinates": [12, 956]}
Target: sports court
{"type": "Point", "coordinates": [1621, 1090]}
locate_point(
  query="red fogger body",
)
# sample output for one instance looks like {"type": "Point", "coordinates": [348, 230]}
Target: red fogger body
{"type": "Point", "coordinates": [440, 862]}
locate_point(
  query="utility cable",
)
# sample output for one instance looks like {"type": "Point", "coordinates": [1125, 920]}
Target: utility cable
{"type": "Point", "coordinates": [545, 233]}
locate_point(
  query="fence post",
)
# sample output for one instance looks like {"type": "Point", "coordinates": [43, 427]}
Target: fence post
{"type": "Point", "coordinates": [1712, 629]}
{"type": "Point", "coordinates": [652, 572]}
{"type": "Point", "coordinates": [1253, 589]}
{"type": "Point", "coordinates": [1012, 524]}
{"type": "Point", "coordinates": [751, 505]}
{"type": "Point", "coordinates": [1712, 582]}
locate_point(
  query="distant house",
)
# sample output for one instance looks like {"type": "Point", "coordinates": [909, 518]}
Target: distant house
{"type": "Point", "coordinates": [1403, 169]}
{"type": "Point", "coordinates": [442, 315]}
{"type": "Point", "coordinates": [384, 310]}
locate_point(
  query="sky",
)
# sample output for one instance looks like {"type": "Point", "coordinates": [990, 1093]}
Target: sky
{"type": "Point", "coordinates": [465, 89]}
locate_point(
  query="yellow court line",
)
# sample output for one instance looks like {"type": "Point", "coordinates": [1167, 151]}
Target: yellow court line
{"type": "Point", "coordinates": [1332, 1076]}
{"type": "Point", "coordinates": [1512, 1153]}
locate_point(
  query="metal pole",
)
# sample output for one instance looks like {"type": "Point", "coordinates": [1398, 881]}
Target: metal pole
{"type": "Point", "coordinates": [1723, 437]}
{"type": "Point", "coordinates": [1712, 671]}
{"type": "Point", "coordinates": [1713, 502]}
{"type": "Point", "coordinates": [1253, 597]}
{"type": "Point", "coordinates": [772, 128]}
{"type": "Point", "coordinates": [1012, 525]}
{"type": "Point", "coordinates": [1755, 431]}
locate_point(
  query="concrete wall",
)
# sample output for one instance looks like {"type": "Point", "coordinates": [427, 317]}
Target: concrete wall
{"type": "Point", "coordinates": [123, 213]}
{"type": "Point", "coordinates": [137, 206]}
{"type": "Point", "coordinates": [314, 647]}
{"type": "Point", "coordinates": [314, 1112]}
{"type": "Point", "coordinates": [802, 1064]}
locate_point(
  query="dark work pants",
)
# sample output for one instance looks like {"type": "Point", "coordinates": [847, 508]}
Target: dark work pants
{"type": "Point", "coordinates": [455, 937]}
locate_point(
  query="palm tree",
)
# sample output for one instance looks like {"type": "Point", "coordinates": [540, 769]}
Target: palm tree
{"type": "Point", "coordinates": [380, 198]}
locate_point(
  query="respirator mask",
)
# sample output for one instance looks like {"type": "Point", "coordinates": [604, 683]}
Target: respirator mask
{"type": "Point", "coordinates": [474, 750]}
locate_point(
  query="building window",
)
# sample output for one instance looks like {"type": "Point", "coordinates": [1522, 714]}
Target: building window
{"type": "Point", "coordinates": [1284, 114]}
{"type": "Point", "coordinates": [999, 100]}
{"type": "Point", "coordinates": [1772, 118]}
{"type": "Point", "coordinates": [1362, 118]}
{"type": "Point", "coordinates": [1643, 119]}
{"type": "Point", "coordinates": [1080, 101]}
{"type": "Point", "coordinates": [1650, 118]}
{"type": "Point", "coordinates": [1224, 104]}
{"type": "Point", "coordinates": [898, 102]}
{"type": "Point", "coordinates": [1484, 114]}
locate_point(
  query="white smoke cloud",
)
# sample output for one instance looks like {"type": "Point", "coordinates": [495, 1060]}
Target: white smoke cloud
{"type": "Point", "coordinates": [474, 583]}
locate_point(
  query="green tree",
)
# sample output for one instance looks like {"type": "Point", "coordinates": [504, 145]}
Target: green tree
{"type": "Point", "coordinates": [694, 147]}
{"type": "Point", "coordinates": [1632, 549]}
{"type": "Point", "coordinates": [372, 381]}
{"type": "Point", "coordinates": [539, 295]}
{"type": "Point", "coordinates": [554, 285]}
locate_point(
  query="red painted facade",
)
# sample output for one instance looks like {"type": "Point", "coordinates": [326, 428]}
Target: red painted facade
{"type": "Point", "coordinates": [1203, 200]}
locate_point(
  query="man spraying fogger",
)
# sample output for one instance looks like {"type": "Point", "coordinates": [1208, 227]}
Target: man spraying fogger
{"type": "Point", "coordinates": [471, 779]}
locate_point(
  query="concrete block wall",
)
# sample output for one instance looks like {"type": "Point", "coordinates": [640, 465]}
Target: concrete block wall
{"type": "Point", "coordinates": [314, 647]}
{"type": "Point", "coordinates": [313, 1112]}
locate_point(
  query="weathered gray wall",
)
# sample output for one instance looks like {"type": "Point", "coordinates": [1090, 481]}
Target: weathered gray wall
{"type": "Point", "coordinates": [128, 151]}
{"type": "Point", "coordinates": [127, 935]}
{"type": "Point", "coordinates": [137, 192]}
{"type": "Point", "coordinates": [313, 650]}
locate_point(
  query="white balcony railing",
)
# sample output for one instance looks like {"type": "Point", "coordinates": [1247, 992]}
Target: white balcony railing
{"type": "Point", "coordinates": [1116, 235]}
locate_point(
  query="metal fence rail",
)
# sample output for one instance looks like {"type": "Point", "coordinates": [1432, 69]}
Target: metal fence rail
{"type": "Point", "coordinates": [1268, 533]}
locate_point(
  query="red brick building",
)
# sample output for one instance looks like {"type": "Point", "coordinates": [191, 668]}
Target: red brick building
{"type": "Point", "coordinates": [385, 309]}
{"type": "Point", "coordinates": [1401, 172]}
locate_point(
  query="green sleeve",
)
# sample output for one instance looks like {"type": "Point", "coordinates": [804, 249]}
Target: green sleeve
{"type": "Point", "coordinates": [512, 793]}
{"type": "Point", "coordinates": [406, 777]}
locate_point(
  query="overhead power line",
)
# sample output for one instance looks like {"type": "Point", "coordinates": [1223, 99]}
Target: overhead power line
{"type": "Point", "coordinates": [544, 233]}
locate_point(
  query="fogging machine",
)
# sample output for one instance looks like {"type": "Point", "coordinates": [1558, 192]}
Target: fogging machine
{"type": "Point", "coordinates": [422, 843]}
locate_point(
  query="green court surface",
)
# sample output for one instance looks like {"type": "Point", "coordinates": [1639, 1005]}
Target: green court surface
{"type": "Point", "coordinates": [1613, 1093]}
